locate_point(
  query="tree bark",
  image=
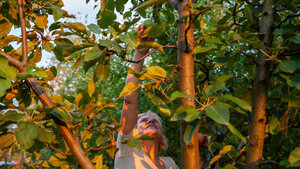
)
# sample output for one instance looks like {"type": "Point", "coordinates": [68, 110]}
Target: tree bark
{"type": "Point", "coordinates": [190, 152]}
{"type": "Point", "coordinates": [257, 132]}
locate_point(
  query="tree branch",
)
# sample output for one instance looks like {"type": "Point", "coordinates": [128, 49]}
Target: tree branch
{"type": "Point", "coordinates": [24, 36]}
{"type": "Point", "coordinates": [249, 56]}
{"type": "Point", "coordinates": [55, 149]}
{"type": "Point", "coordinates": [174, 4]}
{"type": "Point", "coordinates": [13, 61]}
{"type": "Point", "coordinates": [288, 17]}
{"type": "Point", "coordinates": [100, 148]}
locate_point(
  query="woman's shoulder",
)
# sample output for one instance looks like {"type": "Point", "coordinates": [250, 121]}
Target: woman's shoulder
{"type": "Point", "coordinates": [169, 162]}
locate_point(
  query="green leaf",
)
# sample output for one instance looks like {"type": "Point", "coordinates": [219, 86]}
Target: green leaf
{"type": "Point", "coordinates": [11, 115]}
{"type": "Point", "coordinates": [242, 103]}
{"type": "Point", "coordinates": [210, 89]}
{"type": "Point", "coordinates": [212, 39]}
{"type": "Point", "coordinates": [154, 45]}
{"type": "Point", "coordinates": [185, 112]}
{"type": "Point", "coordinates": [295, 39]}
{"type": "Point", "coordinates": [149, 3]}
{"type": "Point", "coordinates": [236, 132]}
{"type": "Point", "coordinates": [100, 140]}
{"type": "Point", "coordinates": [6, 71]}
{"type": "Point", "coordinates": [178, 94]}
{"type": "Point", "coordinates": [111, 45]}
{"type": "Point", "coordinates": [274, 126]}
{"type": "Point", "coordinates": [102, 71]}
{"type": "Point", "coordinates": [107, 18]}
{"type": "Point", "coordinates": [294, 157]}
{"type": "Point", "coordinates": [134, 143]}
{"type": "Point", "coordinates": [229, 166]}
{"type": "Point", "coordinates": [94, 53]}
{"type": "Point", "coordinates": [44, 135]}
{"type": "Point", "coordinates": [248, 13]}
{"type": "Point", "coordinates": [189, 132]}
{"type": "Point", "coordinates": [130, 39]}
{"type": "Point", "coordinates": [289, 66]}
{"type": "Point", "coordinates": [57, 12]}
{"type": "Point", "coordinates": [94, 28]}
{"type": "Point", "coordinates": [200, 49]}
{"type": "Point", "coordinates": [218, 113]}
{"type": "Point", "coordinates": [4, 85]}
{"type": "Point", "coordinates": [143, 137]}
{"type": "Point", "coordinates": [26, 133]}
{"type": "Point", "coordinates": [129, 88]}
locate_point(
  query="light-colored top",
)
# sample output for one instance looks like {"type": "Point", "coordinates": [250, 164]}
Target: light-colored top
{"type": "Point", "coordinates": [133, 158]}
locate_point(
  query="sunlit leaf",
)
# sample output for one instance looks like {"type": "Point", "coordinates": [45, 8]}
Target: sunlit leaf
{"type": "Point", "coordinates": [4, 85]}
{"type": "Point", "coordinates": [200, 49]}
{"type": "Point", "coordinates": [178, 94]}
{"type": "Point", "coordinates": [242, 103]}
{"type": "Point", "coordinates": [294, 157]}
{"type": "Point", "coordinates": [149, 3]}
{"type": "Point", "coordinates": [154, 45]}
{"type": "Point", "coordinates": [57, 12]}
{"type": "Point", "coordinates": [236, 132]}
{"type": "Point", "coordinates": [77, 26]}
{"type": "Point", "coordinates": [274, 126]}
{"type": "Point", "coordinates": [44, 135]}
{"type": "Point", "coordinates": [6, 71]}
{"type": "Point", "coordinates": [129, 88]}
{"type": "Point", "coordinates": [218, 113]}
{"type": "Point", "coordinates": [91, 87]}
{"type": "Point", "coordinates": [102, 71]}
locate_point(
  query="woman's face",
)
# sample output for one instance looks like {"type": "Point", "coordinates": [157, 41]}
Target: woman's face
{"type": "Point", "coordinates": [149, 126]}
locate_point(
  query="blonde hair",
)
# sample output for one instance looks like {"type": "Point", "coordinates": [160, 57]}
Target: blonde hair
{"type": "Point", "coordinates": [163, 145]}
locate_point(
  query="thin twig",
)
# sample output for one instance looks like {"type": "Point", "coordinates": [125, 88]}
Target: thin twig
{"type": "Point", "coordinates": [148, 54]}
{"type": "Point", "coordinates": [249, 56]}
{"type": "Point", "coordinates": [13, 61]}
{"type": "Point", "coordinates": [173, 71]}
{"type": "Point", "coordinates": [55, 149]}
{"type": "Point", "coordinates": [288, 17]}
{"type": "Point", "coordinates": [100, 148]}
{"type": "Point", "coordinates": [234, 16]}
{"type": "Point", "coordinates": [24, 36]}
{"type": "Point", "coordinates": [42, 35]}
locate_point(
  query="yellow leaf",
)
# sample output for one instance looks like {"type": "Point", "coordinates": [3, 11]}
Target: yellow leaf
{"type": "Point", "coordinates": [43, 164]}
{"type": "Point", "coordinates": [30, 47]}
{"type": "Point", "coordinates": [6, 143]}
{"type": "Point", "coordinates": [98, 160]}
{"type": "Point", "coordinates": [37, 155]}
{"type": "Point", "coordinates": [84, 136]}
{"type": "Point", "coordinates": [13, 12]}
{"type": "Point", "coordinates": [57, 162]}
{"type": "Point", "coordinates": [37, 56]}
{"type": "Point", "coordinates": [102, 71]}
{"type": "Point", "coordinates": [225, 149]}
{"type": "Point", "coordinates": [67, 107]}
{"type": "Point", "coordinates": [201, 24]}
{"type": "Point", "coordinates": [40, 21]}
{"type": "Point", "coordinates": [154, 45]}
{"type": "Point", "coordinates": [77, 26]}
{"type": "Point", "coordinates": [5, 27]}
{"type": "Point", "coordinates": [91, 87]}
{"type": "Point", "coordinates": [157, 71]}
{"type": "Point", "coordinates": [77, 99]}
{"type": "Point", "coordinates": [217, 157]}
{"type": "Point", "coordinates": [111, 152]}
{"type": "Point", "coordinates": [89, 109]}
{"type": "Point", "coordinates": [8, 39]}
{"type": "Point", "coordinates": [57, 99]}
{"type": "Point", "coordinates": [129, 88]}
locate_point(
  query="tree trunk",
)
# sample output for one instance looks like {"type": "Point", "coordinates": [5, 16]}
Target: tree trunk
{"type": "Point", "coordinates": [257, 132]}
{"type": "Point", "coordinates": [190, 152]}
